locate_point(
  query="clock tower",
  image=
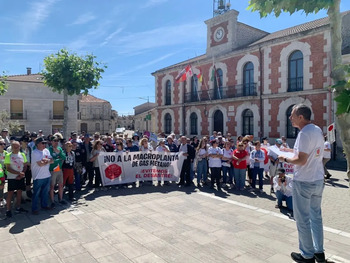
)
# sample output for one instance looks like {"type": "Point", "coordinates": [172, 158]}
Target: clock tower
{"type": "Point", "coordinates": [221, 33]}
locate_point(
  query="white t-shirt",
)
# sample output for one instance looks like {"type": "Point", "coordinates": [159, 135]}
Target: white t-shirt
{"type": "Point", "coordinates": [214, 162]}
{"type": "Point", "coordinates": [40, 172]}
{"type": "Point", "coordinates": [327, 154]}
{"type": "Point", "coordinates": [310, 140]}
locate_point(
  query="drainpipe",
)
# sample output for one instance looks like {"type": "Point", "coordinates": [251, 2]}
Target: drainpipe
{"type": "Point", "coordinates": [261, 93]}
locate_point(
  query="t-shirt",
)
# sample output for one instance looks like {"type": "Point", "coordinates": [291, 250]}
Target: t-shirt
{"type": "Point", "coordinates": [227, 154]}
{"type": "Point", "coordinates": [2, 157]}
{"type": "Point", "coordinates": [214, 161]}
{"type": "Point", "coordinates": [240, 155]}
{"type": "Point", "coordinates": [69, 161]}
{"type": "Point", "coordinates": [310, 140]}
{"type": "Point", "coordinates": [58, 159]}
{"type": "Point", "coordinates": [327, 154]}
{"type": "Point", "coordinates": [16, 162]}
{"type": "Point", "coordinates": [40, 172]}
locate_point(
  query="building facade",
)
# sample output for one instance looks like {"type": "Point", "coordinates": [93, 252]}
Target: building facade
{"type": "Point", "coordinates": [96, 115]}
{"type": "Point", "coordinates": [144, 117]}
{"type": "Point", "coordinates": [35, 106]}
{"type": "Point", "coordinates": [251, 79]}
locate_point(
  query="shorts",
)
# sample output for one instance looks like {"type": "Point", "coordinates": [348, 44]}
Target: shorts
{"type": "Point", "coordinates": [13, 185]}
{"type": "Point", "coordinates": [68, 176]}
{"type": "Point", "coordinates": [56, 178]}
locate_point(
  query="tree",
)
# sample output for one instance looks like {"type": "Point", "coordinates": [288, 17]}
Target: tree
{"type": "Point", "coordinates": [341, 87]}
{"type": "Point", "coordinates": [3, 84]}
{"type": "Point", "coordinates": [71, 74]}
{"type": "Point", "coordinates": [11, 125]}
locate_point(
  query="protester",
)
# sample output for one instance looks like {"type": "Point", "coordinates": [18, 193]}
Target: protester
{"type": "Point", "coordinates": [215, 155]}
{"type": "Point", "coordinates": [239, 161]}
{"type": "Point", "coordinates": [16, 166]}
{"type": "Point", "coordinates": [68, 169]}
{"type": "Point", "coordinates": [326, 157]}
{"type": "Point", "coordinates": [308, 185]}
{"type": "Point", "coordinates": [28, 175]}
{"type": "Point", "coordinates": [2, 178]}
{"type": "Point", "coordinates": [40, 164]}
{"type": "Point", "coordinates": [274, 162]}
{"type": "Point", "coordinates": [283, 185]}
{"type": "Point", "coordinates": [257, 157]}
{"type": "Point", "coordinates": [202, 163]}
{"type": "Point", "coordinates": [97, 148]}
{"type": "Point", "coordinates": [227, 170]}
{"type": "Point", "coordinates": [187, 151]}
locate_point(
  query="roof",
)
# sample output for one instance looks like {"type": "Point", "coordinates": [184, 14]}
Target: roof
{"type": "Point", "coordinates": [297, 29]}
{"type": "Point", "coordinates": [35, 78]}
{"type": "Point", "coordinates": [90, 98]}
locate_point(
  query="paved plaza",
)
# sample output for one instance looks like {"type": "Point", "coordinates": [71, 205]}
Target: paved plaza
{"type": "Point", "coordinates": [171, 224]}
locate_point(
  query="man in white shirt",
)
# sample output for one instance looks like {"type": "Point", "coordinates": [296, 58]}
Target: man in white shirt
{"type": "Point", "coordinates": [40, 163]}
{"type": "Point", "coordinates": [326, 157]}
{"type": "Point", "coordinates": [282, 185]}
{"type": "Point", "coordinates": [308, 185]}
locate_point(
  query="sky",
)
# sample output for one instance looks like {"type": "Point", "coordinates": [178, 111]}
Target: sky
{"type": "Point", "coordinates": [133, 38]}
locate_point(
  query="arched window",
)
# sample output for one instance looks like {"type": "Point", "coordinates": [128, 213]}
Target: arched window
{"type": "Point", "coordinates": [193, 120]}
{"type": "Point", "coordinates": [167, 123]}
{"type": "Point", "coordinates": [218, 118]}
{"type": "Point", "coordinates": [295, 71]}
{"type": "Point", "coordinates": [168, 93]}
{"type": "Point", "coordinates": [218, 82]}
{"type": "Point", "coordinates": [194, 88]}
{"type": "Point", "coordinates": [248, 79]}
{"type": "Point", "coordinates": [248, 122]}
{"type": "Point", "coordinates": [291, 131]}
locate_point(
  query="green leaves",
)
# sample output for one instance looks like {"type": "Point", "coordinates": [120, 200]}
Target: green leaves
{"type": "Point", "coordinates": [74, 73]}
{"type": "Point", "coordinates": [265, 7]}
{"type": "Point", "coordinates": [3, 84]}
{"type": "Point", "coordinates": [343, 100]}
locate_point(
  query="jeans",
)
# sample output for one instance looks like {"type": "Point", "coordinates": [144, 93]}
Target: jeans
{"type": "Point", "coordinates": [226, 170]}
{"type": "Point", "coordinates": [307, 197]}
{"type": "Point", "coordinates": [240, 175]}
{"type": "Point", "coordinates": [202, 170]}
{"type": "Point", "coordinates": [41, 189]}
{"type": "Point", "coordinates": [215, 176]}
{"type": "Point", "coordinates": [260, 172]}
{"type": "Point", "coordinates": [281, 197]}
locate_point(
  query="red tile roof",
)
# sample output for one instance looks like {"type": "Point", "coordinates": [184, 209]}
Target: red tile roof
{"type": "Point", "coordinates": [90, 98]}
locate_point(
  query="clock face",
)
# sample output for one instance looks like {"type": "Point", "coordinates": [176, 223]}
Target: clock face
{"type": "Point", "coordinates": [219, 34]}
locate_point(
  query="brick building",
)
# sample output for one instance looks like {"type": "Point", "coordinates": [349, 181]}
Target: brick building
{"type": "Point", "coordinates": [251, 80]}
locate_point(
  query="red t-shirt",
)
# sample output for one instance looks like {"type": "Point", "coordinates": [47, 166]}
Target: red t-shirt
{"type": "Point", "coordinates": [240, 155]}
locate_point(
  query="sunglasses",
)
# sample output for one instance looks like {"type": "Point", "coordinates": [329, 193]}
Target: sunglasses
{"type": "Point", "coordinates": [55, 140]}
{"type": "Point", "coordinates": [2, 144]}
{"type": "Point", "coordinates": [43, 143]}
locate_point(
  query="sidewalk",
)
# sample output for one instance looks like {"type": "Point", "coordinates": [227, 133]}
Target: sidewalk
{"type": "Point", "coordinates": [171, 224]}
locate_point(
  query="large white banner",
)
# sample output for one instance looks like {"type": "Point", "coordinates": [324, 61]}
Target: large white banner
{"type": "Point", "coordinates": [124, 167]}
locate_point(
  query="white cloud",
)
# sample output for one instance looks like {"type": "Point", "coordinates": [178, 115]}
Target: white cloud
{"type": "Point", "coordinates": [110, 36]}
{"type": "Point", "coordinates": [36, 15]}
{"type": "Point", "coordinates": [186, 35]}
{"type": "Point", "coordinates": [84, 18]}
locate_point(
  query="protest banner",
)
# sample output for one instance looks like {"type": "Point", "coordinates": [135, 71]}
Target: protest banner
{"type": "Point", "coordinates": [288, 167]}
{"type": "Point", "coordinates": [129, 167]}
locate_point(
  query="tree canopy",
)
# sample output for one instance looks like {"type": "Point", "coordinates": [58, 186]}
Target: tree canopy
{"type": "Point", "coordinates": [73, 73]}
{"type": "Point", "coordinates": [3, 84]}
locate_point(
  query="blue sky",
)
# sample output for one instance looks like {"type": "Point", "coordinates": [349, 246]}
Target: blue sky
{"type": "Point", "coordinates": [134, 38]}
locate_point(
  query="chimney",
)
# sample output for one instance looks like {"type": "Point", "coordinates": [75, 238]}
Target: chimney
{"type": "Point", "coordinates": [29, 71]}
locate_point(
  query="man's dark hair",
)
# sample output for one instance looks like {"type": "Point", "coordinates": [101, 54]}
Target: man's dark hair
{"type": "Point", "coordinates": [303, 110]}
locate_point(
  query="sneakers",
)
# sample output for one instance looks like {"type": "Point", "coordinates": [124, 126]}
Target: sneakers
{"type": "Point", "coordinates": [53, 205]}
{"type": "Point", "coordinates": [3, 203]}
{"type": "Point", "coordinates": [297, 257]}
{"type": "Point", "coordinates": [20, 210]}
{"type": "Point", "coordinates": [8, 214]}
{"type": "Point", "coordinates": [62, 202]}
{"type": "Point", "coordinates": [328, 176]}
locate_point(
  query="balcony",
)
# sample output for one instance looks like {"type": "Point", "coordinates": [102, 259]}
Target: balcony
{"type": "Point", "coordinates": [16, 116]}
{"type": "Point", "coordinates": [222, 93]}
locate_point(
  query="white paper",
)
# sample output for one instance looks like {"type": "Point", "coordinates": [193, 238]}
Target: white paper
{"type": "Point", "coordinates": [277, 151]}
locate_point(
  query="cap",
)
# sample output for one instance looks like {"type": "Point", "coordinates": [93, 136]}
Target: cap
{"type": "Point", "coordinates": [34, 134]}
{"type": "Point", "coordinates": [74, 133]}
{"type": "Point", "coordinates": [40, 131]}
{"type": "Point", "coordinates": [279, 141]}
{"type": "Point", "coordinates": [213, 141]}
{"type": "Point", "coordinates": [4, 130]}
{"type": "Point", "coordinates": [39, 140]}
{"type": "Point", "coordinates": [169, 137]}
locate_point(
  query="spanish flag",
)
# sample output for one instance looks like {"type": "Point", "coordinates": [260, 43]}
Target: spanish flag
{"type": "Point", "coordinates": [200, 76]}
{"type": "Point", "coordinates": [182, 76]}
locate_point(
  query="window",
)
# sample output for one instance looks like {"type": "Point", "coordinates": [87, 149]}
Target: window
{"type": "Point", "coordinates": [168, 93]}
{"type": "Point", "coordinates": [248, 79]}
{"type": "Point", "coordinates": [167, 123]}
{"type": "Point", "coordinates": [218, 80]}
{"type": "Point", "coordinates": [16, 109]}
{"type": "Point", "coordinates": [295, 71]}
{"type": "Point", "coordinates": [97, 127]}
{"type": "Point", "coordinates": [194, 88]}
{"type": "Point", "coordinates": [193, 121]}
{"type": "Point", "coordinates": [291, 131]}
{"type": "Point", "coordinates": [218, 121]}
{"type": "Point", "coordinates": [248, 122]}
{"type": "Point", "coordinates": [58, 111]}
{"type": "Point", "coordinates": [83, 127]}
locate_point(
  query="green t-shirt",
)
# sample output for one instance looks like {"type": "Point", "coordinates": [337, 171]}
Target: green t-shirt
{"type": "Point", "coordinates": [58, 158]}
{"type": "Point", "coordinates": [16, 161]}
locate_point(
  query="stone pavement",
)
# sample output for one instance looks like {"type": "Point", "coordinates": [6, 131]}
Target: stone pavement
{"type": "Point", "coordinates": [171, 224]}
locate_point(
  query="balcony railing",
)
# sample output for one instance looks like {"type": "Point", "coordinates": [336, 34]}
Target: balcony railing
{"type": "Point", "coordinates": [222, 93]}
{"type": "Point", "coordinates": [295, 84]}
{"type": "Point", "coordinates": [16, 115]}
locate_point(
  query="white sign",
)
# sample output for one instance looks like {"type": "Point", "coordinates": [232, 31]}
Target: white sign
{"type": "Point", "coordinates": [124, 167]}
{"type": "Point", "coordinates": [277, 151]}
{"type": "Point", "coordinates": [231, 108]}
{"type": "Point", "coordinates": [331, 133]}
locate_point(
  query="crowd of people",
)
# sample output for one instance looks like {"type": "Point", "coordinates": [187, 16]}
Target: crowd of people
{"type": "Point", "coordinates": [42, 165]}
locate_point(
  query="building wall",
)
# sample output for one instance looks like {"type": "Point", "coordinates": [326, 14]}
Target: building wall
{"type": "Point", "coordinates": [38, 106]}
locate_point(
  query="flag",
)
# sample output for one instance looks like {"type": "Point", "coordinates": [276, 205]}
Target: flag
{"type": "Point", "coordinates": [200, 76]}
{"type": "Point", "coordinates": [182, 76]}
